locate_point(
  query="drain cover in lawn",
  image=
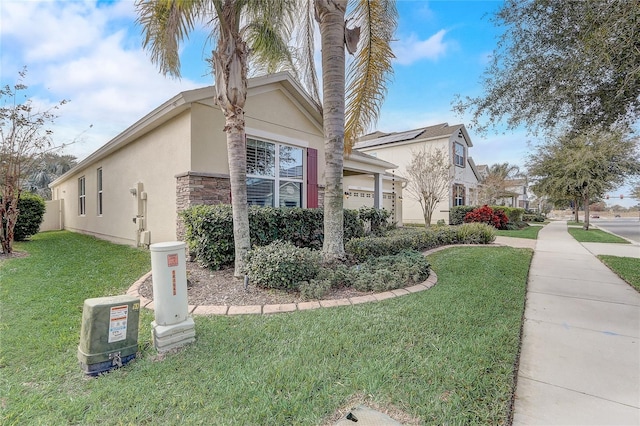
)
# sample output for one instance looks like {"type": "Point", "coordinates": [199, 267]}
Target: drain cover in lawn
{"type": "Point", "coordinates": [365, 416]}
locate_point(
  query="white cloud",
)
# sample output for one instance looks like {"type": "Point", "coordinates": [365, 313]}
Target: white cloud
{"type": "Point", "coordinates": [90, 55]}
{"type": "Point", "coordinates": [412, 49]}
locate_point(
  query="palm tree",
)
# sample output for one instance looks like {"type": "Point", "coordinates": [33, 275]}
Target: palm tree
{"type": "Point", "coordinates": [374, 23]}
{"type": "Point", "coordinates": [238, 27]}
{"type": "Point", "coordinates": [496, 183]}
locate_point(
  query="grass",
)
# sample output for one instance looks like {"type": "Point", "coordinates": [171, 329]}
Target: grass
{"type": "Point", "coordinates": [595, 236]}
{"type": "Point", "coordinates": [445, 356]}
{"type": "Point", "coordinates": [530, 232]}
{"type": "Point", "coordinates": [627, 268]}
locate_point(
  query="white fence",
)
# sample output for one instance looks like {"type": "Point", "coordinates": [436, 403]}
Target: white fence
{"type": "Point", "coordinates": [53, 216]}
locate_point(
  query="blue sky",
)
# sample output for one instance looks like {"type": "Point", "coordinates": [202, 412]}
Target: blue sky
{"type": "Point", "coordinates": [90, 53]}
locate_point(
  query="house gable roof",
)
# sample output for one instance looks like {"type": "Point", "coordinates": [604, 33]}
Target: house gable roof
{"type": "Point", "coordinates": [422, 134]}
{"type": "Point", "coordinates": [183, 101]}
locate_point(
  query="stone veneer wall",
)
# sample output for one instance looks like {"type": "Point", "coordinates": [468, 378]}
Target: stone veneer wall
{"type": "Point", "coordinates": [193, 188]}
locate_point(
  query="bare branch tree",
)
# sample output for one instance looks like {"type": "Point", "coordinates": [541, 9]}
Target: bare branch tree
{"type": "Point", "coordinates": [25, 139]}
{"type": "Point", "coordinates": [429, 174]}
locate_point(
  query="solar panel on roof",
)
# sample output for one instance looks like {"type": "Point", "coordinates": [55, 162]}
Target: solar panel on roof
{"type": "Point", "coordinates": [397, 137]}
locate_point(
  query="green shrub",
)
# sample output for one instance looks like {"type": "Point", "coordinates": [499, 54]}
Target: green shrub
{"type": "Point", "coordinates": [475, 233]}
{"type": "Point", "coordinates": [457, 214]}
{"type": "Point", "coordinates": [209, 230]}
{"type": "Point", "coordinates": [514, 214]}
{"type": "Point", "coordinates": [420, 239]}
{"type": "Point", "coordinates": [376, 219]}
{"type": "Point", "coordinates": [281, 265]}
{"type": "Point", "coordinates": [314, 289]}
{"type": "Point", "coordinates": [532, 217]}
{"type": "Point", "coordinates": [391, 272]}
{"type": "Point", "coordinates": [31, 208]}
{"type": "Point", "coordinates": [209, 234]}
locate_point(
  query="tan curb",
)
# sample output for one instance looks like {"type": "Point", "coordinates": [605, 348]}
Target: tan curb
{"type": "Point", "coordinates": [134, 290]}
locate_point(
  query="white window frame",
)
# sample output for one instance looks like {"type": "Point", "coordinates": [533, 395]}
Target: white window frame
{"type": "Point", "coordinates": [277, 179]}
{"type": "Point", "coordinates": [99, 188]}
{"type": "Point", "coordinates": [82, 196]}
{"type": "Point", "coordinates": [457, 197]}
{"type": "Point", "coordinates": [458, 160]}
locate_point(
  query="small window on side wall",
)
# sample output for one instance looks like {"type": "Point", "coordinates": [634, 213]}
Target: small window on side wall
{"type": "Point", "coordinates": [458, 195]}
{"type": "Point", "coordinates": [458, 154]}
{"type": "Point", "coordinates": [82, 197]}
{"type": "Point", "coordinates": [99, 179]}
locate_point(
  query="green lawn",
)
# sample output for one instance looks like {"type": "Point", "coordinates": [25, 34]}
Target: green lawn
{"type": "Point", "coordinates": [595, 236]}
{"type": "Point", "coordinates": [446, 356]}
{"type": "Point", "coordinates": [628, 268]}
{"type": "Point", "coordinates": [530, 232]}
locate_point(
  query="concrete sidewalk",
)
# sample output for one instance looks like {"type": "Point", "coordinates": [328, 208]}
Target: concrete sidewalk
{"type": "Point", "coordinates": [580, 359]}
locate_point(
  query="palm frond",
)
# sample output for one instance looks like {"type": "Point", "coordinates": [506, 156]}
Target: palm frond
{"type": "Point", "coordinates": [267, 32]}
{"type": "Point", "coordinates": [304, 40]}
{"type": "Point", "coordinates": [165, 24]}
{"type": "Point", "coordinates": [371, 70]}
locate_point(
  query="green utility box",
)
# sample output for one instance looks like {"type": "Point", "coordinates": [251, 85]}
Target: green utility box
{"type": "Point", "coordinates": [109, 333]}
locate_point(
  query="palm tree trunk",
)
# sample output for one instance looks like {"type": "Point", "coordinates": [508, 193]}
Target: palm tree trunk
{"type": "Point", "coordinates": [330, 15]}
{"type": "Point", "coordinates": [230, 68]}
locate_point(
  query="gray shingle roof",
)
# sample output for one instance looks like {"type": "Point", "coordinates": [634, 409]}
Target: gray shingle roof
{"type": "Point", "coordinates": [379, 138]}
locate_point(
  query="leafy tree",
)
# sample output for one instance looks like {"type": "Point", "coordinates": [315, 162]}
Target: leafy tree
{"type": "Point", "coordinates": [584, 167]}
{"type": "Point", "coordinates": [373, 26]}
{"type": "Point", "coordinates": [25, 139]}
{"type": "Point", "coordinates": [635, 190]}
{"type": "Point", "coordinates": [562, 65]}
{"type": "Point", "coordinates": [497, 181]}
{"type": "Point", "coordinates": [44, 171]}
{"type": "Point", "coordinates": [238, 28]}
{"type": "Point", "coordinates": [429, 175]}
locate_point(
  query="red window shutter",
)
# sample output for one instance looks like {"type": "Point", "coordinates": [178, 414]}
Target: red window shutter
{"type": "Point", "coordinates": [312, 178]}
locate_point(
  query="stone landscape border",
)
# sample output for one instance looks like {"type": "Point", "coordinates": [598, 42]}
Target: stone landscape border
{"type": "Point", "coordinates": [315, 304]}
{"type": "Point", "coordinates": [286, 307]}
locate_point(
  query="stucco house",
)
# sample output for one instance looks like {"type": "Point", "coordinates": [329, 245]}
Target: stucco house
{"type": "Point", "coordinates": [131, 189]}
{"type": "Point", "coordinates": [398, 148]}
{"type": "Point", "coordinates": [515, 194]}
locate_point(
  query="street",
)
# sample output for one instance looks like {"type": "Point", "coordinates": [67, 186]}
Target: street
{"type": "Point", "coordinates": [624, 226]}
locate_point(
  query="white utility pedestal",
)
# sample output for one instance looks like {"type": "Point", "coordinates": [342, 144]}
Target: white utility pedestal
{"type": "Point", "coordinates": [173, 327]}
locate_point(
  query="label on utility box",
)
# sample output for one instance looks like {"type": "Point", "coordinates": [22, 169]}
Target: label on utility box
{"type": "Point", "coordinates": [172, 260]}
{"type": "Point", "coordinates": [118, 323]}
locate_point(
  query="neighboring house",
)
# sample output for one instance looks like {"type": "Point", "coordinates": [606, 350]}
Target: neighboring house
{"type": "Point", "coordinates": [515, 190]}
{"type": "Point", "coordinates": [398, 148]}
{"type": "Point", "coordinates": [515, 194]}
{"type": "Point", "coordinates": [131, 189]}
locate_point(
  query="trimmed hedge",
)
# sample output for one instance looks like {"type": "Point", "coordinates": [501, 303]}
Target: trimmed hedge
{"type": "Point", "coordinates": [532, 217]}
{"type": "Point", "coordinates": [31, 208]}
{"type": "Point", "coordinates": [457, 214]}
{"type": "Point", "coordinates": [514, 214]}
{"type": "Point", "coordinates": [417, 239]}
{"type": "Point", "coordinates": [281, 265]}
{"type": "Point", "coordinates": [209, 230]}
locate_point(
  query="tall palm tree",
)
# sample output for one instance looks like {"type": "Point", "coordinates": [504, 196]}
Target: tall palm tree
{"type": "Point", "coordinates": [496, 183]}
{"type": "Point", "coordinates": [238, 28]}
{"type": "Point", "coordinates": [373, 24]}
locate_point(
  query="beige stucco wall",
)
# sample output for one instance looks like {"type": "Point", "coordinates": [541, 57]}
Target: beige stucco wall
{"type": "Point", "coordinates": [192, 141]}
{"type": "Point", "coordinates": [401, 154]}
{"type": "Point", "coordinates": [360, 193]}
{"type": "Point", "coordinates": [53, 220]}
{"type": "Point", "coordinates": [154, 160]}
{"type": "Point", "coordinates": [270, 115]}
